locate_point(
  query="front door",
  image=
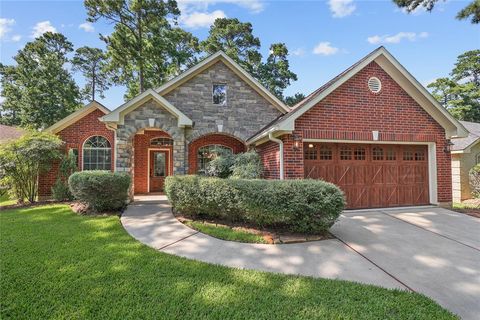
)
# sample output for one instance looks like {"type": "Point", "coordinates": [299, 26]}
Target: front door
{"type": "Point", "coordinates": [158, 169]}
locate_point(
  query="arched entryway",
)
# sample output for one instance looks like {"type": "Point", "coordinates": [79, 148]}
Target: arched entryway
{"type": "Point", "coordinates": [199, 149]}
{"type": "Point", "coordinates": [152, 160]}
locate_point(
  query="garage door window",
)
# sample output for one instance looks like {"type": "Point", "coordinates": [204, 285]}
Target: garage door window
{"type": "Point", "coordinates": [419, 155]}
{"type": "Point", "coordinates": [310, 152]}
{"type": "Point", "coordinates": [326, 153]}
{"type": "Point", "coordinates": [345, 153]}
{"type": "Point", "coordinates": [407, 155]}
{"type": "Point", "coordinates": [377, 154]}
{"type": "Point", "coordinates": [359, 153]}
{"type": "Point", "coordinates": [390, 155]}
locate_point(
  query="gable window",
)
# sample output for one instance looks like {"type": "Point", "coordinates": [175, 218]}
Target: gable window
{"type": "Point", "coordinates": [220, 94]}
{"type": "Point", "coordinates": [208, 153]}
{"type": "Point", "coordinates": [97, 154]}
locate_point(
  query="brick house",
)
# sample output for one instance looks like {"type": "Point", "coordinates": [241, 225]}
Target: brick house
{"type": "Point", "coordinates": [373, 130]}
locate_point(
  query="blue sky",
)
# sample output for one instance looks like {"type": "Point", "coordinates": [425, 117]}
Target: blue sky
{"type": "Point", "coordinates": [324, 37]}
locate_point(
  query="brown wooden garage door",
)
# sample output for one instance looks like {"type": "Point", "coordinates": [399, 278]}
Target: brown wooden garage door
{"type": "Point", "coordinates": [371, 175]}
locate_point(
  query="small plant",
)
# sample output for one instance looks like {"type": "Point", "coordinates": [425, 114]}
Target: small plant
{"type": "Point", "coordinates": [22, 161]}
{"type": "Point", "coordinates": [247, 165]}
{"type": "Point", "coordinates": [474, 178]}
{"type": "Point", "coordinates": [68, 165]}
{"type": "Point", "coordinates": [221, 164]}
{"type": "Point", "coordinates": [101, 191]}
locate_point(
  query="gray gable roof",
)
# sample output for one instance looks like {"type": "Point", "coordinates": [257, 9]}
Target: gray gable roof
{"type": "Point", "coordinates": [472, 138]}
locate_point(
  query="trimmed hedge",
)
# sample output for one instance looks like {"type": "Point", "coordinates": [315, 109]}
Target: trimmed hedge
{"type": "Point", "coordinates": [295, 205]}
{"type": "Point", "coordinates": [100, 190]}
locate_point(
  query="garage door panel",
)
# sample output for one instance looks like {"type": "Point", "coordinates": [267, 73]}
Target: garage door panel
{"type": "Point", "coordinates": [373, 175]}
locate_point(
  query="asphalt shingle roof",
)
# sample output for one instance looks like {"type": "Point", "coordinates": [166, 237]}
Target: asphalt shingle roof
{"type": "Point", "coordinates": [473, 136]}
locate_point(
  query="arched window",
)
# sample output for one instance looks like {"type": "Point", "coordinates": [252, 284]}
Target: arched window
{"type": "Point", "coordinates": [97, 154]}
{"type": "Point", "coordinates": [207, 153]}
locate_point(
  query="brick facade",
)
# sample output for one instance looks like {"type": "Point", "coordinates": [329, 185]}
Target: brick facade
{"type": "Point", "coordinates": [74, 136]}
{"type": "Point", "coordinates": [141, 145]}
{"type": "Point", "coordinates": [352, 112]}
{"type": "Point", "coordinates": [270, 155]}
{"type": "Point", "coordinates": [235, 144]}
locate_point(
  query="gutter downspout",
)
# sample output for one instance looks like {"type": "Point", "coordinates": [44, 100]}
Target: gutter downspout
{"type": "Point", "coordinates": [280, 144]}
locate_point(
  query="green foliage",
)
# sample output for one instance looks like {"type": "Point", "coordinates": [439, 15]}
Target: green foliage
{"type": "Point", "coordinates": [144, 50]}
{"type": "Point", "coordinates": [225, 233]}
{"type": "Point", "coordinates": [38, 90]}
{"type": "Point", "coordinates": [472, 10]}
{"type": "Point", "coordinates": [221, 164]}
{"type": "Point", "coordinates": [460, 93]}
{"type": "Point", "coordinates": [293, 100]}
{"type": "Point", "coordinates": [275, 74]}
{"type": "Point", "coordinates": [295, 205]}
{"type": "Point", "coordinates": [100, 190]}
{"type": "Point", "coordinates": [68, 165]}
{"type": "Point", "coordinates": [76, 261]}
{"type": "Point", "coordinates": [236, 39]}
{"type": "Point", "coordinates": [247, 165]}
{"type": "Point", "coordinates": [91, 62]}
{"type": "Point", "coordinates": [25, 159]}
{"type": "Point", "coordinates": [474, 178]}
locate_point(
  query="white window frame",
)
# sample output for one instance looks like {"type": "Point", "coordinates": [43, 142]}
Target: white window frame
{"type": "Point", "coordinates": [226, 94]}
{"type": "Point", "coordinates": [83, 151]}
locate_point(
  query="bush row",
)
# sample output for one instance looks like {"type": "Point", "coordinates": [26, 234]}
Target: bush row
{"type": "Point", "coordinates": [100, 190]}
{"type": "Point", "coordinates": [295, 205]}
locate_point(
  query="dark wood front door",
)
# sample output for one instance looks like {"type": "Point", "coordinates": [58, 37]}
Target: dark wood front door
{"type": "Point", "coordinates": [371, 176]}
{"type": "Point", "coordinates": [159, 169]}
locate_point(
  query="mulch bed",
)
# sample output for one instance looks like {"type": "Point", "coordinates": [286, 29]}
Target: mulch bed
{"type": "Point", "coordinates": [271, 236]}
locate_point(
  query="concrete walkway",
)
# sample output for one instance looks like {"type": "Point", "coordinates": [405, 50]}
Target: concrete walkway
{"type": "Point", "coordinates": [431, 250]}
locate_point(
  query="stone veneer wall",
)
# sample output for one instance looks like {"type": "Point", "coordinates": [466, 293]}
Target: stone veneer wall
{"type": "Point", "coordinates": [137, 120]}
{"type": "Point", "coordinates": [245, 113]}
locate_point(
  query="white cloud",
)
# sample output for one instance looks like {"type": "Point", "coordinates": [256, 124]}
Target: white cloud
{"type": "Point", "coordinates": [254, 6]}
{"type": "Point", "coordinates": [325, 49]}
{"type": "Point", "coordinates": [300, 52]}
{"type": "Point", "coordinates": [16, 38]}
{"type": "Point", "coordinates": [42, 27]}
{"type": "Point", "coordinates": [200, 19]}
{"type": "Point", "coordinates": [5, 25]}
{"type": "Point", "coordinates": [397, 38]}
{"type": "Point", "coordinates": [341, 8]}
{"type": "Point", "coordinates": [87, 27]}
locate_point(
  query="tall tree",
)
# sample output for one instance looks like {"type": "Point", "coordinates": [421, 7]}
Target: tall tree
{"type": "Point", "coordinates": [141, 49]}
{"type": "Point", "coordinates": [471, 11]}
{"type": "Point", "coordinates": [91, 62]}
{"type": "Point", "coordinates": [236, 39]}
{"type": "Point", "coordinates": [293, 100]}
{"type": "Point", "coordinates": [460, 93]}
{"type": "Point", "coordinates": [275, 74]}
{"type": "Point", "coordinates": [38, 90]}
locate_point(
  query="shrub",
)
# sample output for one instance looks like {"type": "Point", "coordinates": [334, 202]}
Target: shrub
{"type": "Point", "coordinates": [293, 205]}
{"type": "Point", "coordinates": [247, 165]}
{"type": "Point", "coordinates": [474, 177]}
{"type": "Point", "coordinates": [68, 165]}
{"type": "Point", "coordinates": [22, 161]}
{"type": "Point", "coordinates": [221, 164]}
{"type": "Point", "coordinates": [100, 190]}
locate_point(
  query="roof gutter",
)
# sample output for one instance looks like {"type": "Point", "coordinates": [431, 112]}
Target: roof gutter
{"type": "Point", "coordinates": [280, 145]}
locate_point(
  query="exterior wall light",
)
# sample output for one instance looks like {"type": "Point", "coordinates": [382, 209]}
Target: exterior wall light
{"type": "Point", "coordinates": [448, 146]}
{"type": "Point", "coordinates": [296, 141]}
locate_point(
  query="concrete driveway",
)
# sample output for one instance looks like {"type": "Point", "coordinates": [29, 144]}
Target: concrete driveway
{"type": "Point", "coordinates": [429, 250]}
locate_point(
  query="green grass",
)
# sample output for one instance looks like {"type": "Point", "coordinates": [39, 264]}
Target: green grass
{"type": "Point", "coordinates": [225, 233]}
{"type": "Point", "coordinates": [59, 265]}
{"type": "Point", "coordinates": [463, 205]}
{"type": "Point", "coordinates": [6, 201]}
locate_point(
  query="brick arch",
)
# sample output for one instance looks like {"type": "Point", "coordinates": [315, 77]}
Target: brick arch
{"type": "Point", "coordinates": [224, 139]}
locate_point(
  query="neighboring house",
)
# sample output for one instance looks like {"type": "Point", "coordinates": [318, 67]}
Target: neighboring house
{"type": "Point", "coordinates": [8, 133]}
{"type": "Point", "coordinates": [465, 155]}
{"type": "Point", "coordinates": [373, 130]}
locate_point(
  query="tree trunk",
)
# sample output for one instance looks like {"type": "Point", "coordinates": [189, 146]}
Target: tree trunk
{"type": "Point", "coordinates": [140, 51]}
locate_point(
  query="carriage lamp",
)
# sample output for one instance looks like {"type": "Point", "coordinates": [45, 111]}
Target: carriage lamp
{"type": "Point", "coordinates": [296, 141]}
{"type": "Point", "coordinates": [448, 147]}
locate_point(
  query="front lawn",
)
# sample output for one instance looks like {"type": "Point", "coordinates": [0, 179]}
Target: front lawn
{"type": "Point", "coordinates": [59, 265]}
{"type": "Point", "coordinates": [225, 233]}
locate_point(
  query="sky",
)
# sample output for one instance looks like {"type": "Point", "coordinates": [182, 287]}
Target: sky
{"type": "Point", "coordinates": [323, 37]}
